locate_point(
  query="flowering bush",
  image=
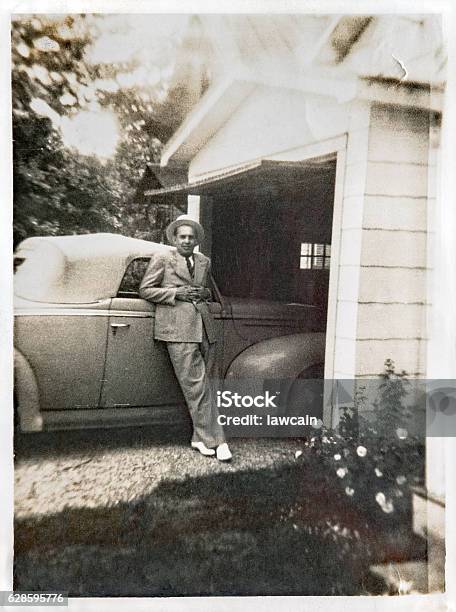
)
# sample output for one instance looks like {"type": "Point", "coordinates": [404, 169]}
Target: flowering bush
{"type": "Point", "coordinates": [375, 461]}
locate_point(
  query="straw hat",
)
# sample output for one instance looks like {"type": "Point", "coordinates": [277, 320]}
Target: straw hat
{"type": "Point", "coordinates": [184, 220]}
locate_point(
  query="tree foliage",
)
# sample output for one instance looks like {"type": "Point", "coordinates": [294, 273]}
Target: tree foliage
{"type": "Point", "coordinates": [47, 60]}
{"type": "Point", "coordinates": [58, 190]}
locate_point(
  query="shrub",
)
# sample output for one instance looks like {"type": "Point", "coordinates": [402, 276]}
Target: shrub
{"type": "Point", "coordinates": [375, 460]}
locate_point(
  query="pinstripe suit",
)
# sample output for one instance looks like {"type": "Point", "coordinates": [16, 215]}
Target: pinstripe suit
{"type": "Point", "coordinates": [188, 330]}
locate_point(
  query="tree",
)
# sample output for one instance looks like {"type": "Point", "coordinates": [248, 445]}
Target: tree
{"type": "Point", "coordinates": [47, 61]}
{"type": "Point", "coordinates": [57, 190]}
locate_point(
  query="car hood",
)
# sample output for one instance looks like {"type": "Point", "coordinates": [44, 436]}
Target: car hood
{"type": "Point", "coordinates": [268, 309]}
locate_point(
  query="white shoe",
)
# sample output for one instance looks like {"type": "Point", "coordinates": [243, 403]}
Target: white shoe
{"type": "Point", "coordinates": [202, 448]}
{"type": "Point", "coordinates": [223, 452]}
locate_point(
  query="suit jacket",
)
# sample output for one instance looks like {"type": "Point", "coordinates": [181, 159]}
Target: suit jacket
{"type": "Point", "coordinates": [175, 320]}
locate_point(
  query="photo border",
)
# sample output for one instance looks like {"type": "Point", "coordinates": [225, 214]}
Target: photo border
{"type": "Point", "coordinates": [448, 190]}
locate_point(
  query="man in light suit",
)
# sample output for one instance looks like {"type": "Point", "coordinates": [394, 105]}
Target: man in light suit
{"type": "Point", "coordinates": [177, 283]}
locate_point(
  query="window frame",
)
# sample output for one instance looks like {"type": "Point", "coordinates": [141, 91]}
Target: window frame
{"type": "Point", "coordinates": [312, 256]}
{"type": "Point", "coordinates": [131, 294]}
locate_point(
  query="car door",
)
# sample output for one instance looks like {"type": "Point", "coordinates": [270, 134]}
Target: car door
{"type": "Point", "coordinates": [138, 371]}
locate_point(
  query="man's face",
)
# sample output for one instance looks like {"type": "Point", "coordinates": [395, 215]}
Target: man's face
{"type": "Point", "coordinates": [185, 240]}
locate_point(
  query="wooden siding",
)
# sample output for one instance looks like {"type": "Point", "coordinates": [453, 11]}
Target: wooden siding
{"type": "Point", "coordinates": [351, 240]}
{"type": "Point", "coordinates": [382, 301]}
{"type": "Point", "coordinates": [392, 289]}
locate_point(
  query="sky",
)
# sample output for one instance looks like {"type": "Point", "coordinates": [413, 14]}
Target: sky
{"type": "Point", "coordinates": [92, 132]}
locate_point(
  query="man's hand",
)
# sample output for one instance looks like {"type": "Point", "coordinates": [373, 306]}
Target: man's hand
{"type": "Point", "coordinates": [189, 294]}
{"type": "Point", "coordinates": [201, 293]}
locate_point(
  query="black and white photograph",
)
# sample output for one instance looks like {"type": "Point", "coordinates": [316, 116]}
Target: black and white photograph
{"type": "Point", "coordinates": [234, 348]}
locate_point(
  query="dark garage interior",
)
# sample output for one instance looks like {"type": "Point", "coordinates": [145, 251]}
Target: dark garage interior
{"type": "Point", "coordinates": [271, 231]}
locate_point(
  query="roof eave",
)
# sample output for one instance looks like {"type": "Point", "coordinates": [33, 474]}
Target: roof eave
{"type": "Point", "coordinates": [334, 81]}
{"type": "Point", "coordinates": [205, 119]}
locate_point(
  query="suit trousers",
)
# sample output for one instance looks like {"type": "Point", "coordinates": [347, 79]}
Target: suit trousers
{"type": "Point", "coordinates": [192, 362]}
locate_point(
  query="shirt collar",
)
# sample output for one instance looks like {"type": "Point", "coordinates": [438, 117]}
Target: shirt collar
{"type": "Point", "coordinates": [191, 257]}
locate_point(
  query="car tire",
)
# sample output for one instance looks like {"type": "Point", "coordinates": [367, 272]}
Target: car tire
{"type": "Point", "coordinates": [307, 398]}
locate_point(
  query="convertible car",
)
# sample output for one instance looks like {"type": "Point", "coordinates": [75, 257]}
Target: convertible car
{"type": "Point", "coordinates": [84, 349]}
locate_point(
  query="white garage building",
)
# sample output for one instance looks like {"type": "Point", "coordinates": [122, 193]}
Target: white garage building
{"type": "Point", "coordinates": [329, 127]}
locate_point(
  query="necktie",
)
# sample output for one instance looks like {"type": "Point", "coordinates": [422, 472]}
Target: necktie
{"type": "Point", "coordinates": [190, 266]}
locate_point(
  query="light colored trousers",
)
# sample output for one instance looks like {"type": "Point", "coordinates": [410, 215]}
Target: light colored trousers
{"type": "Point", "coordinates": [192, 362]}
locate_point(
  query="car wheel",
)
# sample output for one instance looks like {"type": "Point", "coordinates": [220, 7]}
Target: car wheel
{"type": "Point", "coordinates": [307, 393]}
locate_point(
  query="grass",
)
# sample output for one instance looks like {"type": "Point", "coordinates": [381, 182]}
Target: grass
{"type": "Point", "coordinates": [278, 530]}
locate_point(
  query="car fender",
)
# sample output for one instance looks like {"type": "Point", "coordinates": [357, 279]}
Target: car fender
{"type": "Point", "coordinates": [284, 357]}
{"type": "Point", "coordinates": [26, 395]}
{"type": "Point", "coordinates": [277, 365]}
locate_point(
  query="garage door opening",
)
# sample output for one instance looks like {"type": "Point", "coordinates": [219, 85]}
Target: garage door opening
{"type": "Point", "coordinates": [270, 233]}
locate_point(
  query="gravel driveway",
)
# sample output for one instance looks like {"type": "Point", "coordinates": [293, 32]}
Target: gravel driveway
{"type": "Point", "coordinates": [93, 468]}
{"type": "Point", "coordinates": [137, 512]}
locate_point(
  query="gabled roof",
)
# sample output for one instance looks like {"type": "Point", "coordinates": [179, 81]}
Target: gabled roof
{"type": "Point", "coordinates": [330, 55]}
{"type": "Point", "coordinates": [76, 269]}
